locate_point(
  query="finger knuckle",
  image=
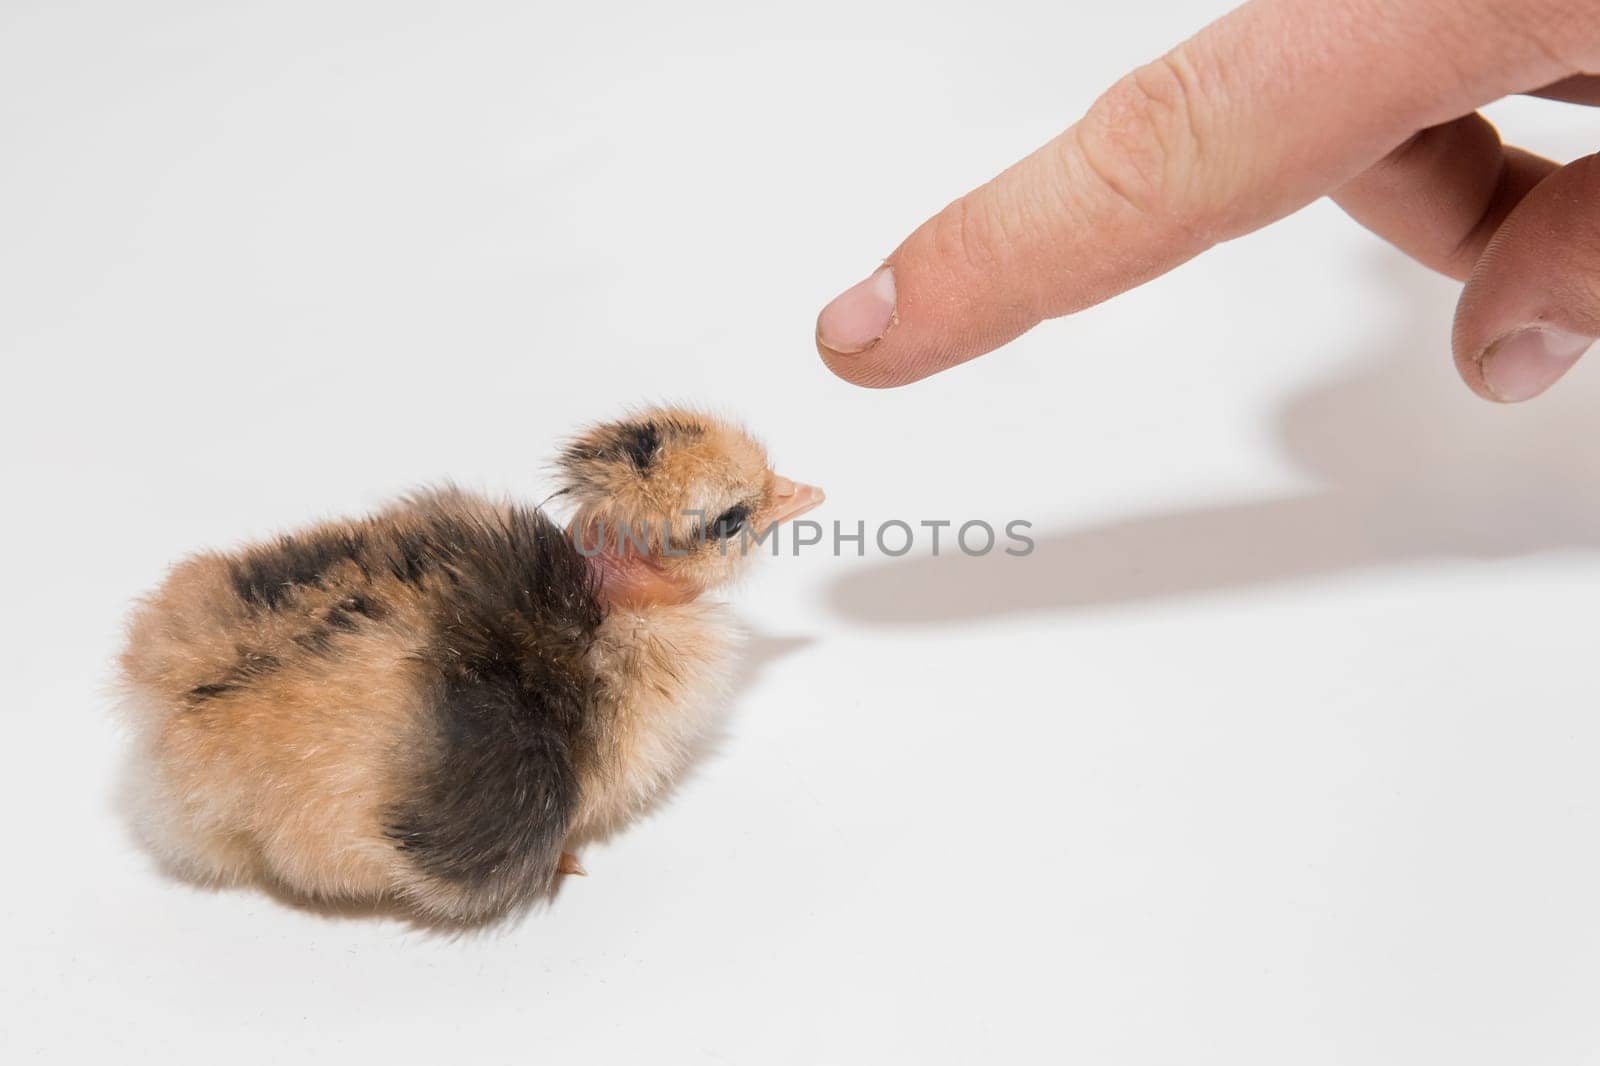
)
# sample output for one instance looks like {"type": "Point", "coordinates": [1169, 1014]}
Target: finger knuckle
{"type": "Point", "coordinates": [1144, 142]}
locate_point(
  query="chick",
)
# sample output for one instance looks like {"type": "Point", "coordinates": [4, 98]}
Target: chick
{"type": "Point", "coordinates": [437, 704]}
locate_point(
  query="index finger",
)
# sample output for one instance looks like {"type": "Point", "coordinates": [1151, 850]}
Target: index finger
{"type": "Point", "coordinates": [1262, 112]}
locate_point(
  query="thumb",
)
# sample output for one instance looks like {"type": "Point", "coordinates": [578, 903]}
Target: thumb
{"type": "Point", "coordinates": [1532, 305]}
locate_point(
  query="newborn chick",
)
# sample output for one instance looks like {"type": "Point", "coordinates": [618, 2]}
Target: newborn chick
{"type": "Point", "coordinates": [436, 703]}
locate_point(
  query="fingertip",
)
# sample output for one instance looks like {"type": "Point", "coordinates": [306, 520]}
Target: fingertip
{"type": "Point", "coordinates": [867, 369]}
{"type": "Point", "coordinates": [856, 334]}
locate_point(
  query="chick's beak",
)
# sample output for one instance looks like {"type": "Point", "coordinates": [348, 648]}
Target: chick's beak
{"type": "Point", "coordinates": [790, 500]}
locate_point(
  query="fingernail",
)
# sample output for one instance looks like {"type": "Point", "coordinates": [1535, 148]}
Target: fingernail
{"type": "Point", "coordinates": [860, 316]}
{"type": "Point", "coordinates": [1523, 364]}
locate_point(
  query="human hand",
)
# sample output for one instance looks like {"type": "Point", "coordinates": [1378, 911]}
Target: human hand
{"type": "Point", "coordinates": [1277, 104]}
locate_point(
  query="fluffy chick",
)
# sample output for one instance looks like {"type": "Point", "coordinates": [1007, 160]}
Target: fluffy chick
{"type": "Point", "coordinates": [435, 704]}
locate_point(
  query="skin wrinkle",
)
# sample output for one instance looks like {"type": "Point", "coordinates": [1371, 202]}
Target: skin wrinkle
{"type": "Point", "coordinates": [1458, 260]}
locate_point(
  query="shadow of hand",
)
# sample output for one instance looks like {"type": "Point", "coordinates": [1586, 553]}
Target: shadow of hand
{"type": "Point", "coordinates": [1410, 464]}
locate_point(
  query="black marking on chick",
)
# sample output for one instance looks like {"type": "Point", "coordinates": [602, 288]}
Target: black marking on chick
{"type": "Point", "coordinates": [251, 667]}
{"type": "Point", "coordinates": [341, 620]}
{"type": "Point", "coordinates": [639, 442]}
{"type": "Point", "coordinates": [496, 786]}
{"type": "Point", "coordinates": [410, 561]}
{"type": "Point", "coordinates": [317, 640]}
{"type": "Point", "coordinates": [363, 606]}
{"type": "Point", "coordinates": [269, 575]}
{"type": "Point", "coordinates": [634, 442]}
{"type": "Point", "coordinates": [346, 616]}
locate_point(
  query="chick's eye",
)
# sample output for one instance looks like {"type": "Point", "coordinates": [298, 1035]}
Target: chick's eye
{"type": "Point", "coordinates": [730, 522]}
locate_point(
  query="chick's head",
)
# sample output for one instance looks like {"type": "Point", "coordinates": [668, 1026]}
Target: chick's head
{"type": "Point", "coordinates": [672, 502]}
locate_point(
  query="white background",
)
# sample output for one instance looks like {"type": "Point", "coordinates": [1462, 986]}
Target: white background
{"type": "Point", "coordinates": [1279, 749]}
